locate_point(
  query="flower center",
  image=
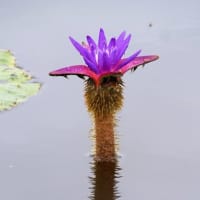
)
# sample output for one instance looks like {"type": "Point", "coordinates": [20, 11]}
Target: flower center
{"type": "Point", "coordinates": [110, 80]}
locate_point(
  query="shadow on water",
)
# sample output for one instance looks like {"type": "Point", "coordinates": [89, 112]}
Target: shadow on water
{"type": "Point", "coordinates": [104, 181]}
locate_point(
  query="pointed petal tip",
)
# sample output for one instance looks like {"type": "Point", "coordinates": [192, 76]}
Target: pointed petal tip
{"type": "Point", "coordinates": [101, 33]}
{"type": "Point", "coordinates": [121, 36]}
{"type": "Point", "coordinates": [73, 41]}
{"type": "Point", "coordinates": [61, 72]}
{"type": "Point", "coordinates": [102, 43]}
{"type": "Point", "coordinates": [50, 74]}
{"type": "Point", "coordinates": [71, 38]}
{"type": "Point", "coordinates": [55, 73]}
{"type": "Point", "coordinates": [147, 59]}
{"type": "Point", "coordinates": [128, 38]}
{"type": "Point", "coordinates": [101, 30]}
{"type": "Point", "coordinates": [151, 58]}
{"type": "Point", "coordinates": [123, 33]}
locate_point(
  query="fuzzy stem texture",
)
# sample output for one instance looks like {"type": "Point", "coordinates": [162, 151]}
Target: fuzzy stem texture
{"type": "Point", "coordinates": [105, 137]}
{"type": "Point", "coordinates": [103, 102]}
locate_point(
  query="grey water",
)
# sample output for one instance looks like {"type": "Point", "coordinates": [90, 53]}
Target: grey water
{"type": "Point", "coordinates": [45, 142]}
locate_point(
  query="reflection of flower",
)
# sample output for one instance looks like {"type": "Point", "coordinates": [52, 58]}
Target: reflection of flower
{"type": "Point", "coordinates": [104, 59]}
{"type": "Point", "coordinates": [104, 87]}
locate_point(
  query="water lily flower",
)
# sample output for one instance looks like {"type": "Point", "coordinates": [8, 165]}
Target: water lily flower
{"type": "Point", "coordinates": [104, 67]}
{"type": "Point", "coordinates": [105, 58]}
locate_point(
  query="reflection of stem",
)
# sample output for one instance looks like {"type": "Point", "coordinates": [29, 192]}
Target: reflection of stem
{"type": "Point", "coordinates": [103, 102]}
{"type": "Point", "coordinates": [104, 181]}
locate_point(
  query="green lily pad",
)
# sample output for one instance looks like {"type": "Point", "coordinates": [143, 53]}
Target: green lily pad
{"type": "Point", "coordinates": [7, 58]}
{"type": "Point", "coordinates": [16, 85]}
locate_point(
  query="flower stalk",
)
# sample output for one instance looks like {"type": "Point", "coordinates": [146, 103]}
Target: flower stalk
{"type": "Point", "coordinates": [103, 102]}
{"type": "Point", "coordinates": [105, 138]}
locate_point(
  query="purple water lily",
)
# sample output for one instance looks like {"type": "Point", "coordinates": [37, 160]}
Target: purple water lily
{"type": "Point", "coordinates": [104, 59]}
{"type": "Point", "coordinates": [103, 89]}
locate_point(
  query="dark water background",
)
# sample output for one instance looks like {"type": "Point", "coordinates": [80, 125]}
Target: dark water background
{"type": "Point", "coordinates": [44, 143]}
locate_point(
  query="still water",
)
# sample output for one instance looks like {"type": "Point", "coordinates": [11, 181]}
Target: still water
{"type": "Point", "coordinates": [45, 142]}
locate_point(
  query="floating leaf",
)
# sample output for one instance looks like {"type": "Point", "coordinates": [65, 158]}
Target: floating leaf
{"type": "Point", "coordinates": [7, 58]}
{"type": "Point", "coordinates": [15, 83]}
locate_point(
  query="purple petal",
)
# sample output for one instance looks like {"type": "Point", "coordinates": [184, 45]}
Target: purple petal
{"type": "Point", "coordinates": [73, 70]}
{"type": "Point", "coordinates": [113, 58]}
{"type": "Point", "coordinates": [112, 43]}
{"type": "Point", "coordinates": [100, 58]}
{"type": "Point", "coordinates": [112, 52]}
{"type": "Point", "coordinates": [106, 63]}
{"type": "Point", "coordinates": [83, 51]}
{"type": "Point", "coordinates": [121, 37]}
{"type": "Point", "coordinates": [91, 65]}
{"type": "Point", "coordinates": [123, 47]}
{"type": "Point", "coordinates": [91, 42]}
{"type": "Point", "coordinates": [88, 58]}
{"type": "Point", "coordinates": [141, 60]}
{"type": "Point", "coordinates": [77, 70]}
{"type": "Point", "coordinates": [127, 60]}
{"type": "Point", "coordinates": [102, 44]}
{"type": "Point", "coordinates": [93, 48]}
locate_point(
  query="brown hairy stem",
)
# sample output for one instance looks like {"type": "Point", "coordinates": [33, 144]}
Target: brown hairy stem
{"type": "Point", "coordinates": [105, 138]}
{"type": "Point", "coordinates": [103, 102]}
